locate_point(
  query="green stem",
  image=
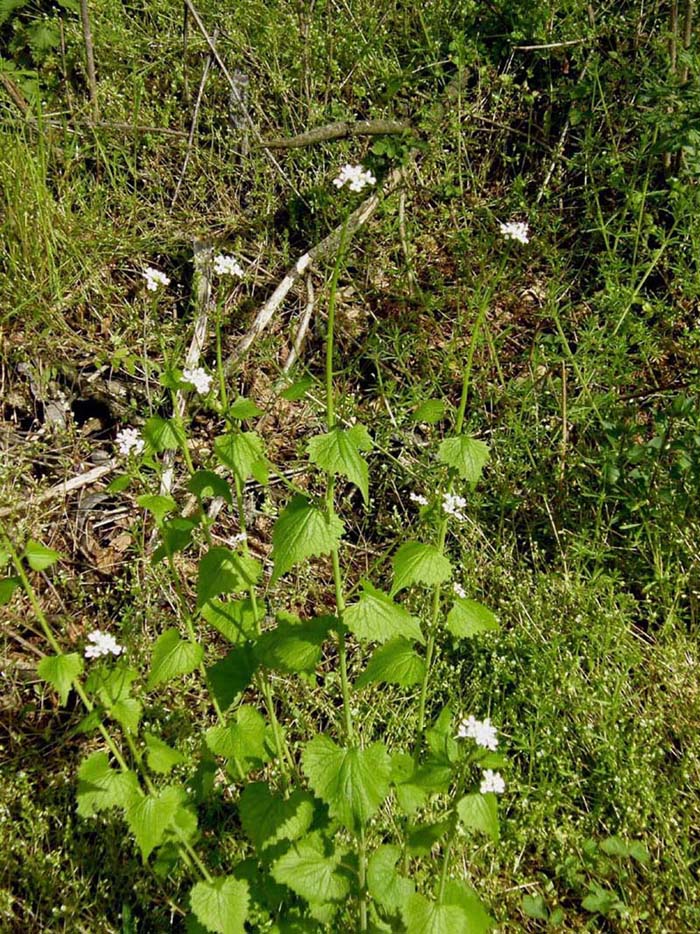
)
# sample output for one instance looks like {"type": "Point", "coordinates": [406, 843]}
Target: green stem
{"type": "Point", "coordinates": [362, 877]}
{"type": "Point", "coordinates": [442, 528]}
{"type": "Point", "coordinates": [330, 488]}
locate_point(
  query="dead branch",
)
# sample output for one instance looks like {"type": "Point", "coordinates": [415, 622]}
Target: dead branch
{"type": "Point", "coordinates": [326, 247]}
{"type": "Point", "coordinates": [61, 489]}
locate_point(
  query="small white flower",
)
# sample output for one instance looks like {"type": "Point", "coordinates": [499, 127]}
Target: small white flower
{"type": "Point", "coordinates": [227, 266]}
{"type": "Point", "coordinates": [515, 230]}
{"type": "Point", "coordinates": [154, 278]}
{"type": "Point", "coordinates": [418, 498]}
{"type": "Point", "coordinates": [481, 731]}
{"type": "Point", "coordinates": [128, 440]}
{"type": "Point", "coordinates": [238, 539]}
{"type": "Point", "coordinates": [102, 644]}
{"type": "Point", "coordinates": [453, 505]}
{"type": "Point", "coordinates": [459, 590]}
{"type": "Point", "coordinates": [355, 176]}
{"type": "Point", "coordinates": [198, 378]}
{"type": "Point", "coordinates": [492, 781]}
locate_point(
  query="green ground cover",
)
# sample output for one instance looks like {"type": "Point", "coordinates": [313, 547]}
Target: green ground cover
{"type": "Point", "coordinates": [582, 346]}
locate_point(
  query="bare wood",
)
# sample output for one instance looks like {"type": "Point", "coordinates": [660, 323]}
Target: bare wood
{"type": "Point", "coordinates": [304, 322]}
{"type": "Point", "coordinates": [326, 247]}
{"type": "Point", "coordinates": [551, 45]}
{"type": "Point", "coordinates": [339, 130]}
{"type": "Point", "coordinates": [14, 92]}
{"type": "Point", "coordinates": [90, 57]}
{"type": "Point", "coordinates": [63, 488]}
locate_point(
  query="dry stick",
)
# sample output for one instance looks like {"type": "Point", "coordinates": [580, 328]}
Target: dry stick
{"type": "Point", "coordinates": [303, 326]}
{"type": "Point", "coordinates": [339, 130]}
{"type": "Point", "coordinates": [203, 253]}
{"type": "Point", "coordinates": [90, 56]}
{"type": "Point", "coordinates": [324, 248]}
{"type": "Point", "coordinates": [63, 488]}
{"type": "Point", "coordinates": [14, 92]}
{"type": "Point", "coordinates": [193, 126]}
{"type": "Point", "coordinates": [236, 94]}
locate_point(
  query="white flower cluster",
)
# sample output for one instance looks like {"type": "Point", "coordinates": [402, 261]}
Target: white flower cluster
{"type": "Point", "coordinates": [453, 505]}
{"type": "Point", "coordinates": [481, 731]}
{"type": "Point", "coordinates": [515, 230]}
{"type": "Point", "coordinates": [102, 644]}
{"type": "Point", "coordinates": [418, 499]}
{"type": "Point", "coordinates": [239, 539]}
{"type": "Point", "coordinates": [458, 590]}
{"type": "Point", "coordinates": [198, 378]}
{"type": "Point", "coordinates": [492, 781]}
{"type": "Point", "coordinates": [129, 440]}
{"type": "Point", "coordinates": [227, 266]}
{"type": "Point", "coordinates": [355, 176]}
{"type": "Point", "coordinates": [154, 278]}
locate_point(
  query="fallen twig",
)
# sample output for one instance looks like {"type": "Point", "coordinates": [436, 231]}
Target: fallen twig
{"type": "Point", "coordinates": [63, 488]}
{"type": "Point", "coordinates": [339, 130]}
{"type": "Point", "coordinates": [304, 322]}
{"type": "Point", "coordinates": [325, 247]}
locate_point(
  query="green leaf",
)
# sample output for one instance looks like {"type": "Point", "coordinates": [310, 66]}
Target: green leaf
{"type": "Point", "coordinates": [127, 713]}
{"type": "Point", "coordinates": [148, 817]}
{"type": "Point", "coordinates": [234, 619]}
{"type": "Point", "coordinates": [480, 812]}
{"type": "Point", "coordinates": [535, 906]}
{"type": "Point", "coordinates": [353, 782]}
{"type": "Point", "coordinates": [468, 618]}
{"type": "Point", "coordinates": [298, 389]}
{"type": "Point", "coordinates": [466, 455]}
{"type": "Point", "coordinates": [158, 506]}
{"type": "Point", "coordinates": [160, 757]}
{"type": "Point", "coordinates": [175, 535]}
{"type": "Point", "coordinates": [221, 905]}
{"type": "Point", "coordinates": [114, 685]}
{"type": "Point", "coordinates": [409, 795]}
{"type": "Point", "coordinates": [338, 452]}
{"type": "Point", "coordinates": [224, 571]}
{"type": "Point", "coordinates": [206, 485]}
{"type": "Point", "coordinates": [385, 885]}
{"type": "Point", "coordinates": [310, 871]}
{"type": "Point", "coordinates": [8, 585]}
{"type": "Point", "coordinates": [101, 787]}
{"type": "Point", "coordinates": [294, 647]}
{"type": "Point", "coordinates": [232, 674]}
{"type": "Point", "coordinates": [173, 656]}
{"type": "Point", "coordinates": [243, 740]}
{"type": "Point", "coordinates": [302, 531]}
{"type": "Point", "coordinates": [163, 434]}
{"type": "Point", "coordinates": [616, 846]}
{"type": "Point", "coordinates": [421, 839]}
{"type": "Point", "coordinates": [393, 663]}
{"type": "Point", "coordinates": [430, 411]}
{"type": "Point", "coordinates": [243, 409]}
{"type": "Point", "coordinates": [268, 818]}
{"type": "Point", "coordinates": [243, 452]}
{"type": "Point", "coordinates": [416, 563]}
{"type": "Point", "coordinates": [120, 483]}
{"type": "Point", "coordinates": [460, 911]}
{"type": "Point", "coordinates": [601, 900]}
{"type": "Point", "coordinates": [59, 671]}
{"type": "Point", "coordinates": [39, 557]}
{"type": "Point", "coordinates": [376, 618]}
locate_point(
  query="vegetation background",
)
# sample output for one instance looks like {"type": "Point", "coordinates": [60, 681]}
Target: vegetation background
{"type": "Point", "coordinates": [581, 118]}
